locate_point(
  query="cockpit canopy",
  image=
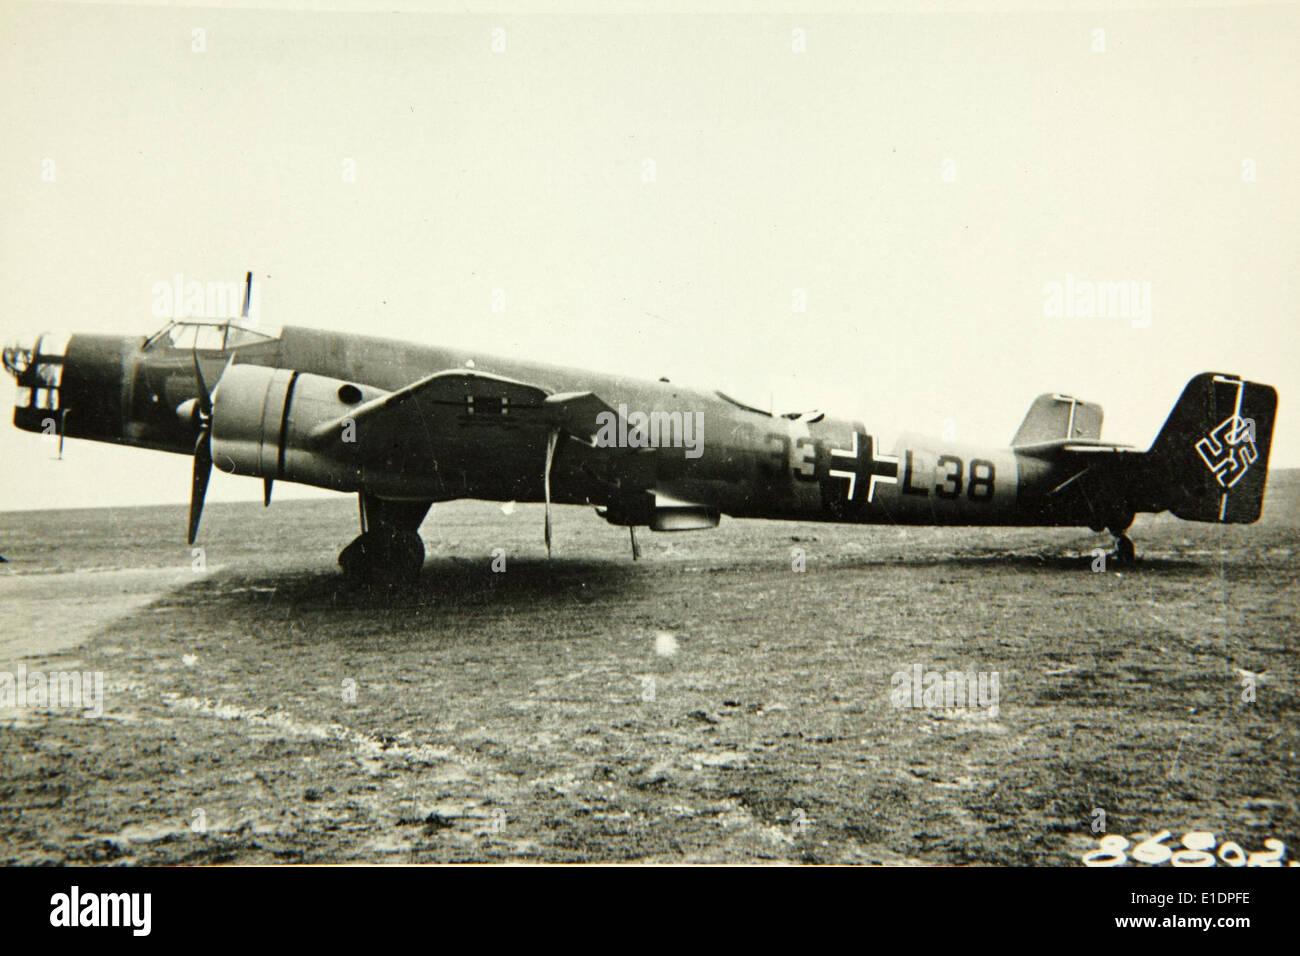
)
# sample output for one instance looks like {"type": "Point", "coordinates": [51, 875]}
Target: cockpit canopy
{"type": "Point", "coordinates": [812, 416]}
{"type": "Point", "coordinates": [190, 335]}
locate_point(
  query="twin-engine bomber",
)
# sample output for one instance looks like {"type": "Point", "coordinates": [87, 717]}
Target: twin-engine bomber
{"type": "Point", "coordinates": [403, 426]}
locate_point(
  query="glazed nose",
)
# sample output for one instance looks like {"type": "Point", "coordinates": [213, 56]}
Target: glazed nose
{"type": "Point", "coordinates": [17, 355]}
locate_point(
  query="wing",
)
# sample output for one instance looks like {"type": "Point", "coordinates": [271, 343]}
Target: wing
{"type": "Point", "coordinates": [460, 424]}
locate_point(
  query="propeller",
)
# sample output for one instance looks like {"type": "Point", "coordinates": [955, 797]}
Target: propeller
{"type": "Point", "coordinates": [268, 481]}
{"type": "Point", "coordinates": [201, 411]}
{"type": "Point", "coordinates": [202, 450]}
{"type": "Point", "coordinates": [551, 439]}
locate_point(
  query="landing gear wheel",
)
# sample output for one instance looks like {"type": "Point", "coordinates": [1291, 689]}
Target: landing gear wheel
{"type": "Point", "coordinates": [383, 557]}
{"type": "Point", "coordinates": [1125, 555]}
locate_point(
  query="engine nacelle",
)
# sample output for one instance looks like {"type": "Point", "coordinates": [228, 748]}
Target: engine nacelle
{"type": "Point", "coordinates": [262, 420]}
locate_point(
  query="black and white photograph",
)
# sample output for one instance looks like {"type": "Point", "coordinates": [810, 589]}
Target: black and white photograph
{"type": "Point", "coordinates": [650, 434]}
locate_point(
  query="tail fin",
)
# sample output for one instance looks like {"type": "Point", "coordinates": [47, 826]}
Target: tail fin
{"type": "Point", "coordinates": [1210, 460]}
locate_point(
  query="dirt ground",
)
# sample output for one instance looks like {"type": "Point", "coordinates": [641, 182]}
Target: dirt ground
{"type": "Point", "coordinates": [706, 703]}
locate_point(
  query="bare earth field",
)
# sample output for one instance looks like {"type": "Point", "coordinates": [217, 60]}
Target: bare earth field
{"type": "Point", "coordinates": [510, 716]}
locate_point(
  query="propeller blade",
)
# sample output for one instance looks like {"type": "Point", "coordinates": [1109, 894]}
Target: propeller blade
{"type": "Point", "coordinates": [636, 548]}
{"type": "Point", "coordinates": [199, 481]}
{"type": "Point", "coordinates": [248, 294]}
{"type": "Point", "coordinates": [63, 422]}
{"type": "Point", "coordinates": [267, 482]}
{"type": "Point", "coordinates": [203, 446]}
{"type": "Point", "coordinates": [205, 400]}
{"type": "Point", "coordinates": [551, 439]}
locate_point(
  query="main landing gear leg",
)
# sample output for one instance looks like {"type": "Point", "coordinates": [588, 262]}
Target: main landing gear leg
{"type": "Point", "coordinates": [1125, 554]}
{"type": "Point", "coordinates": [388, 553]}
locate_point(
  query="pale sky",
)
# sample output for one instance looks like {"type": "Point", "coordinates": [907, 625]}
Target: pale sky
{"type": "Point", "coordinates": [919, 176]}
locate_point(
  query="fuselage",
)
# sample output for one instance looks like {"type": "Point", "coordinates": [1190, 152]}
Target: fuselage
{"type": "Point", "coordinates": [673, 443]}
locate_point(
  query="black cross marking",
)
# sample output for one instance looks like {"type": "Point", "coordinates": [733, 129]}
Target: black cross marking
{"type": "Point", "coordinates": [862, 462]}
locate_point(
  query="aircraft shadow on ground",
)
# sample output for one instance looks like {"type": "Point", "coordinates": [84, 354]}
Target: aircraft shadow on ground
{"type": "Point", "coordinates": [458, 584]}
{"type": "Point", "coordinates": [1024, 562]}
{"type": "Point", "coordinates": [449, 584]}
